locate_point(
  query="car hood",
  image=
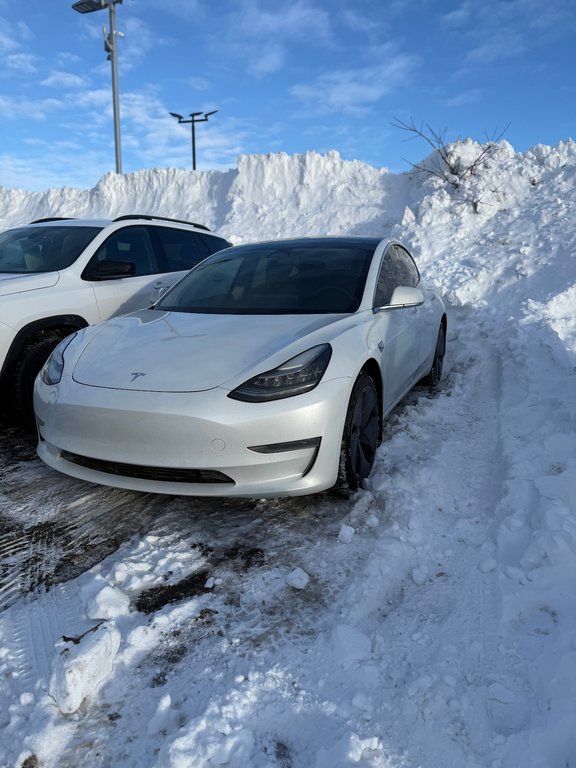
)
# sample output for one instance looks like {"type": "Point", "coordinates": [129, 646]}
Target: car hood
{"type": "Point", "coordinates": [21, 282]}
{"type": "Point", "coordinates": [182, 352]}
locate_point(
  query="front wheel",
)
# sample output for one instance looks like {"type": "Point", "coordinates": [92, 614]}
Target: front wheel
{"type": "Point", "coordinates": [360, 437]}
{"type": "Point", "coordinates": [27, 367]}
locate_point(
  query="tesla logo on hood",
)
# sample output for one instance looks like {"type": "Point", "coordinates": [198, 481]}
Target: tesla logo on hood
{"type": "Point", "coordinates": [136, 375]}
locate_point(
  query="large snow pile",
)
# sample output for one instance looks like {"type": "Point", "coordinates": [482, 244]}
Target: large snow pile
{"type": "Point", "coordinates": [430, 621]}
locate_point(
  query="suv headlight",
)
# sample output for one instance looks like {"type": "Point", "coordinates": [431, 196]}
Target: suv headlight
{"type": "Point", "coordinates": [51, 373]}
{"type": "Point", "coordinates": [294, 377]}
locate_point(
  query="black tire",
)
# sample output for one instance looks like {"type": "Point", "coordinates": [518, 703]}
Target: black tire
{"type": "Point", "coordinates": [26, 368]}
{"type": "Point", "coordinates": [360, 437]}
{"type": "Point", "coordinates": [433, 378]}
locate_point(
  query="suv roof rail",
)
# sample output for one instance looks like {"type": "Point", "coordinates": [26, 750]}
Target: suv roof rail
{"type": "Point", "coordinates": [52, 218]}
{"type": "Point", "coordinates": [150, 217]}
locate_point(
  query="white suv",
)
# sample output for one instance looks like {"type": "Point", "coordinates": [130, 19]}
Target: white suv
{"type": "Point", "coordinates": [59, 275]}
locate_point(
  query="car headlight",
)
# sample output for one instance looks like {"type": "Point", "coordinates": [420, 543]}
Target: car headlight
{"type": "Point", "coordinates": [297, 375]}
{"type": "Point", "coordinates": [51, 373]}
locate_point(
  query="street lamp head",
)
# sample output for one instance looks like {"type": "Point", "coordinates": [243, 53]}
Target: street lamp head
{"type": "Point", "coordinates": [89, 6]}
{"type": "Point", "coordinates": [194, 117]}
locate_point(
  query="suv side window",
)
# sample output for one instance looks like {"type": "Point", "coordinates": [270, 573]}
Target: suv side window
{"type": "Point", "coordinates": [213, 243]}
{"type": "Point", "coordinates": [182, 249]}
{"type": "Point", "coordinates": [398, 268]}
{"type": "Point", "coordinates": [131, 244]}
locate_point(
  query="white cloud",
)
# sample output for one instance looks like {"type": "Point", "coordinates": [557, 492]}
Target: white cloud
{"type": "Point", "coordinates": [554, 19]}
{"type": "Point", "coordinates": [60, 79]}
{"type": "Point", "coordinates": [269, 61]}
{"type": "Point", "coordinates": [262, 36]}
{"type": "Point", "coordinates": [65, 59]}
{"type": "Point", "coordinates": [289, 21]}
{"type": "Point", "coordinates": [12, 108]}
{"type": "Point", "coordinates": [7, 43]}
{"type": "Point", "coordinates": [360, 23]}
{"type": "Point", "coordinates": [467, 97]}
{"type": "Point", "coordinates": [458, 17]}
{"type": "Point", "coordinates": [96, 99]}
{"type": "Point", "coordinates": [25, 63]}
{"type": "Point", "coordinates": [354, 89]}
{"type": "Point", "coordinates": [199, 83]}
{"type": "Point", "coordinates": [188, 10]}
{"type": "Point", "coordinates": [500, 30]}
{"type": "Point", "coordinates": [13, 35]}
{"type": "Point", "coordinates": [139, 38]}
{"type": "Point", "coordinates": [500, 45]}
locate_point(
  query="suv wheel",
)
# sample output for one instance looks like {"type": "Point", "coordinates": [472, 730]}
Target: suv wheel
{"type": "Point", "coordinates": [27, 367]}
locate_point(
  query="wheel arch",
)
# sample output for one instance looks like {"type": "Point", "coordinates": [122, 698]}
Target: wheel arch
{"type": "Point", "coordinates": [38, 329]}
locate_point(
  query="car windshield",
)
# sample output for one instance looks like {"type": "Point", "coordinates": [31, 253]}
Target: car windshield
{"type": "Point", "coordinates": [275, 279]}
{"type": "Point", "coordinates": [36, 249]}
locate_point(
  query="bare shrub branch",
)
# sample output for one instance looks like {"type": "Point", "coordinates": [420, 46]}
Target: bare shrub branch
{"type": "Point", "coordinates": [451, 167]}
{"type": "Point", "coordinates": [452, 170]}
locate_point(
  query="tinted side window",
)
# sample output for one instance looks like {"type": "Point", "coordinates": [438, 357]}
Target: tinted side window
{"type": "Point", "coordinates": [387, 280]}
{"type": "Point", "coordinates": [213, 243]}
{"type": "Point", "coordinates": [398, 268]}
{"type": "Point", "coordinates": [407, 269]}
{"type": "Point", "coordinates": [182, 249]}
{"type": "Point", "coordinates": [128, 244]}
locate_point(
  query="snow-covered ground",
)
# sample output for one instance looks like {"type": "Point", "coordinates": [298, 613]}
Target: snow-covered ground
{"type": "Point", "coordinates": [429, 621]}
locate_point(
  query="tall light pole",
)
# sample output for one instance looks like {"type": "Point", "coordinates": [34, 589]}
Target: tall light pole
{"type": "Point", "coordinates": [89, 6]}
{"type": "Point", "coordinates": [194, 118]}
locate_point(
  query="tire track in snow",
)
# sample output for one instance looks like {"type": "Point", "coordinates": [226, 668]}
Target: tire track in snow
{"type": "Point", "coordinates": [443, 467]}
{"type": "Point", "coordinates": [64, 538]}
{"type": "Point", "coordinates": [535, 537]}
{"type": "Point", "coordinates": [53, 528]}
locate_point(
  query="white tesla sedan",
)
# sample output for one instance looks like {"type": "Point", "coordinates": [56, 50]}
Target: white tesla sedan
{"type": "Point", "coordinates": [265, 372]}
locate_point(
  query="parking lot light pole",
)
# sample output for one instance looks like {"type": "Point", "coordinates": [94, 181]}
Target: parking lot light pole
{"type": "Point", "coordinates": [89, 6]}
{"type": "Point", "coordinates": [194, 118]}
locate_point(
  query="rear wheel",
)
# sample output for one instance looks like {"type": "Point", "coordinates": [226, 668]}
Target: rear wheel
{"type": "Point", "coordinates": [433, 378]}
{"type": "Point", "coordinates": [360, 437]}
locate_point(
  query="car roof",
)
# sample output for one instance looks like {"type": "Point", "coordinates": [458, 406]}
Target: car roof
{"type": "Point", "coordinates": [67, 221]}
{"type": "Point", "coordinates": [322, 241]}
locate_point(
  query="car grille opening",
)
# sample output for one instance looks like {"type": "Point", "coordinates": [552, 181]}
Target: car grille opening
{"type": "Point", "coordinates": [162, 474]}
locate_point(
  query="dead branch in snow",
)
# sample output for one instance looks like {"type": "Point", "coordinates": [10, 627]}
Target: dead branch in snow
{"type": "Point", "coordinates": [452, 168]}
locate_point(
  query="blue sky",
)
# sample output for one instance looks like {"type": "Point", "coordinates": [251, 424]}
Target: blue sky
{"type": "Point", "coordinates": [285, 76]}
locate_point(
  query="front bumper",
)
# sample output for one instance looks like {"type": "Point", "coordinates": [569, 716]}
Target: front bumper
{"type": "Point", "coordinates": [199, 444]}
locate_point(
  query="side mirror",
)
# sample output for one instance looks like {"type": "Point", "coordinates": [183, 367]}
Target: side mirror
{"type": "Point", "coordinates": [108, 270]}
{"type": "Point", "coordinates": [406, 297]}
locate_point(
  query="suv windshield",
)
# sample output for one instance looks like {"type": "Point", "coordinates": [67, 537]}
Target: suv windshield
{"type": "Point", "coordinates": [275, 279]}
{"type": "Point", "coordinates": [42, 249]}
